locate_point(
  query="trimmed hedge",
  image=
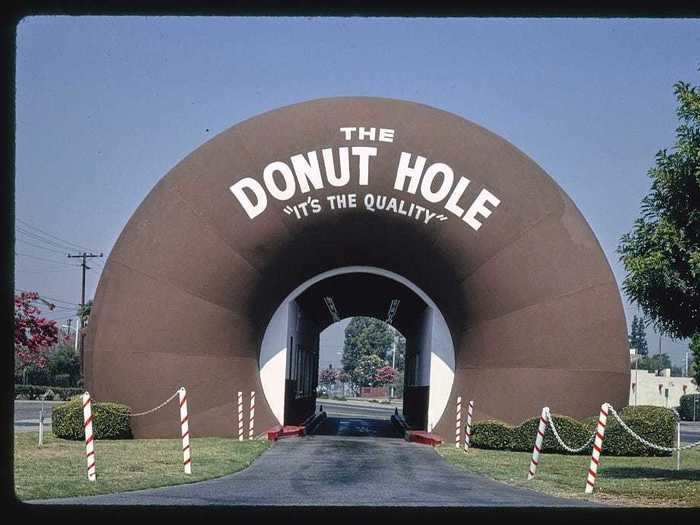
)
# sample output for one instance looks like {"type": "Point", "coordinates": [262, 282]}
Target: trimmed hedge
{"type": "Point", "coordinates": [655, 424]}
{"type": "Point", "coordinates": [54, 392]}
{"type": "Point", "coordinates": [491, 434]}
{"type": "Point", "coordinates": [109, 420]}
{"type": "Point", "coordinates": [688, 404]}
{"type": "Point", "coordinates": [574, 433]}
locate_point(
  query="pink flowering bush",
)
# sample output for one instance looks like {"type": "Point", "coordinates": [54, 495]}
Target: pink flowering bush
{"type": "Point", "coordinates": [34, 335]}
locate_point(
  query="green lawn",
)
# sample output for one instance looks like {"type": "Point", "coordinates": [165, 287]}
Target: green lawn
{"type": "Point", "coordinates": [636, 481]}
{"type": "Point", "coordinates": [58, 469]}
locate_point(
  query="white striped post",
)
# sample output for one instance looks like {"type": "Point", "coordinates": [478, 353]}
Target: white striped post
{"type": "Point", "coordinates": [240, 416]}
{"type": "Point", "coordinates": [185, 430]}
{"type": "Point", "coordinates": [539, 438]}
{"type": "Point", "coordinates": [89, 436]}
{"type": "Point", "coordinates": [458, 424]}
{"type": "Point", "coordinates": [597, 448]}
{"type": "Point", "coordinates": [251, 417]}
{"type": "Point", "coordinates": [468, 433]}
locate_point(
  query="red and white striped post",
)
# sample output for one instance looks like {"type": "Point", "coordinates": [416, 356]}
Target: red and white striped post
{"type": "Point", "coordinates": [539, 438]}
{"type": "Point", "coordinates": [458, 424]}
{"type": "Point", "coordinates": [468, 433]}
{"type": "Point", "coordinates": [89, 436]}
{"type": "Point", "coordinates": [597, 448]}
{"type": "Point", "coordinates": [251, 416]}
{"type": "Point", "coordinates": [240, 416]}
{"type": "Point", "coordinates": [185, 430]}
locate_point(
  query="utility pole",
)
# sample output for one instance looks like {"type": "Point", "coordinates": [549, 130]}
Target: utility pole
{"type": "Point", "coordinates": [84, 256]}
{"type": "Point", "coordinates": [393, 363]}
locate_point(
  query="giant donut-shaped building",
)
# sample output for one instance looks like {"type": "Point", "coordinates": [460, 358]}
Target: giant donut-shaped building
{"type": "Point", "coordinates": [219, 280]}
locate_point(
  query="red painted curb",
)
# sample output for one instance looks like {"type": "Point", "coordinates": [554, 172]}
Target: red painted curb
{"type": "Point", "coordinates": [285, 431]}
{"type": "Point", "coordinates": [424, 438]}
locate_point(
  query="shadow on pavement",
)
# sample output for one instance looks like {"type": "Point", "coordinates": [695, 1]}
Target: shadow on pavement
{"type": "Point", "coordinates": [357, 427]}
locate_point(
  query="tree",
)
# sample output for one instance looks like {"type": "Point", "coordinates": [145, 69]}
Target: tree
{"type": "Point", "coordinates": [366, 336]}
{"type": "Point", "coordinates": [385, 375]}
{"type": "Point", "coordinates": [34, 335]}
{"type": "Point", "coordinates": [328, 376]}
{"type": "Point", "coordinates": [638, 336]}
{"type": "Point", "coordinates": [365, 373]}
{"type": "Point", "coordinates": [654, 362]}
{"type": "Point", "coordinates": [63, 360]}
{"type": "Point", "coordinates": [84, 311]}
{"type": "Point", "coordinates": [662, 253]}
{"type": "Point", "coordinates": [694, 348]}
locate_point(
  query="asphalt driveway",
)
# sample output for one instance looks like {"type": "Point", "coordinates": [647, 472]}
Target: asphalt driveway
{"type": "Point", "coordinates": [359, 467]}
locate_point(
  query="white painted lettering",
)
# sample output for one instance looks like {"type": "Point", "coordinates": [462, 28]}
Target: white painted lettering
{"type": "Point", "coordinates": [478, 208]}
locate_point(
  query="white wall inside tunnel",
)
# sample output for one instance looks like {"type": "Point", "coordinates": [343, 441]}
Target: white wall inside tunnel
{"type": "Point", "coordinates": [437, 361]}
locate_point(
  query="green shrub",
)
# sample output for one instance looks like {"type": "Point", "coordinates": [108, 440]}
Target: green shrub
{"type": "Point", "coordinates": [109, 420]}
{"type": "Point", "coordinates": [491, 434]}
{"type": "Point", "coordinates": [64, 361]}
{"type": "Point", "coordinates": [689, 409]}
{"type": "Point", "coordinates": [574, 433]}
{"type": "Point", "coordinates": [655, 424]}
{"type": "Point", "coordinates": [38, 376]}
{"type": "Point", "coordinates": [35, 392]}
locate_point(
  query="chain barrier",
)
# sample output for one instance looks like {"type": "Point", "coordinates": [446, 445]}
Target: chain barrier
{"type": "Point", "coordinates": [561, 441]}
{"type": "Point", "coordinates": [156, 408]}
{"type": "Point", "coordinates": [137, 414]}
{"type": "Point", "coordinates": [644, 441]}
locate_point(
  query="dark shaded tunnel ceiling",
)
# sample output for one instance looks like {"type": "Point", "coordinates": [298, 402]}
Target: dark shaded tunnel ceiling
{"type": "Point", "coordinates": [363, 294]}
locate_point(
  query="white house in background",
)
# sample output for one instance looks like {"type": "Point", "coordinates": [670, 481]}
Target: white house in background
{"type": "Point", "coordinates": [648, 388]}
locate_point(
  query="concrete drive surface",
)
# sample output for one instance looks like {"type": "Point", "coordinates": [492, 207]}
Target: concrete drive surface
{"type": "Point", "coordinates": [365, 409]}
{"type": "Point", "coordinates": [690, 432]}
{"type": "Point", "coordinates": [327, 470]}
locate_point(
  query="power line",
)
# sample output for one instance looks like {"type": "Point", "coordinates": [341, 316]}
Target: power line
{"type": "Point", "coordinates": [69, 243]}
{"type": "Point", "coordinates": [43, 259]}
{"type": "Point", "coordinates": [48, 267]}
{"type": "Point", "coordinates": [60, 300]}
{"type": "Point", "coordinates": [50, 298]}
{"type": "Point", "coordinates": [66, 308]}
{"type": "Point", "coordinates": [41, 238]}
{"type": "Point", "coordinates": [40, 247]}
{"type": "Point", "coordinates": [52, 271]}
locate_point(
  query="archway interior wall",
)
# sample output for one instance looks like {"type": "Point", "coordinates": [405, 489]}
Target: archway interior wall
{"type": "Point", "coordinates": [429, 338]}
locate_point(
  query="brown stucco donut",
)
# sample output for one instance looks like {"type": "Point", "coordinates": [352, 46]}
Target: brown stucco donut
{"type": "Point", "coordinates": [532, 306]}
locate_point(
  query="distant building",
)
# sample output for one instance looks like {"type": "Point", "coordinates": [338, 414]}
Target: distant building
{"type": "Point", "coordinates": [648, 388]}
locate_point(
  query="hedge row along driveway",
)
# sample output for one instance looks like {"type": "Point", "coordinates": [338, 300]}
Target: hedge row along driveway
{"type": "Point", "coordinates": [655, 424]}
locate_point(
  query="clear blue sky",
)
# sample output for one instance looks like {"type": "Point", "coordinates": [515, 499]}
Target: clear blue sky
{"type": "Point", "coordinates": [107, 105]}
